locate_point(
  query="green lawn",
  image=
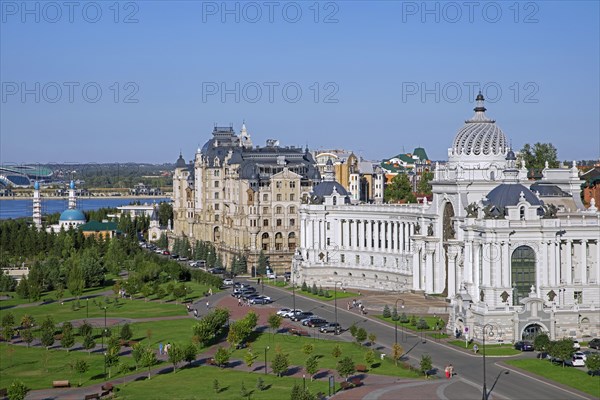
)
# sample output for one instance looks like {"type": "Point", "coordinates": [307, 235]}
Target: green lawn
{"type": "Point", "coordinates": [175, 331]}
{"type": "Point", "coordinates": [429, 319]}
{"type": "Point", "coordinates": [124, 309]}
{"type": "Point", "coordinates": [293, 345]}
{"type": "Point", "coordinates": [576, 378]}
{"type": "Point", "coordinates": [38, 367]}
{"type": "Point", "coordinates": [340, 294]}
{"type": "Point", "coordinates": [505, 349]}
{"type": "Point", "coordinates": [197, 383]}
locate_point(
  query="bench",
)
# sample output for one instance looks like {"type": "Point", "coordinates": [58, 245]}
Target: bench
{"type": "Point", "coordinates": [211, 361]}
{"type": "Point", "coordinates": [356, 382]}
{"type": "Point", "coordinates": [92, 396]}
{"type": "Point", "coordinates": [361, 368]}
{"type": "Point", "coordinates": [61, 384]}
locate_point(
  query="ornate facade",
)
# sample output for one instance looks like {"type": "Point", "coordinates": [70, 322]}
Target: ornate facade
{"type": "Point", "coordinates": [517, 256]}
{"type": "Point", "coordinates": [242, 198]}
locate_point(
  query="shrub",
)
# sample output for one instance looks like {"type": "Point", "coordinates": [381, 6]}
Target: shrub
{"type": "Point", "coordinates": [395, 314]}
{"type": "Point", "coordinates": [403, 318]}
{"type": "Point", "coordinates": [304, 287]}
{"type": "Point", "coordinates": [413, 320]}
{"type": "Point", "coordinates": [17, 391]}
{"type": "Point", "coordinates": [126, 333]}
{"type": "Point", "coordinates": [422, 324]}
{"type": "Point", "coordinates": [386, 311]}
{"type": "Point", "coordinates": [314, 289]}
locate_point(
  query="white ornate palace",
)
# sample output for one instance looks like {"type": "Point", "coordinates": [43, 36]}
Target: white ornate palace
{"type": "Point", "coordinates": [518, 256]}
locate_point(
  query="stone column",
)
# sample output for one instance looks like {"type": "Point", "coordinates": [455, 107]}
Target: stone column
{"type": "Point", "coordinates": [417, 260]}
{"type": "Point", "coordinates": [505, 264]}
{"type": "Point", "coordinates": [394, 240]}
{"type": "Point", "coordinates": [569, 262]}
{"type": "Point", "coordinates": [388, 231]}
{"type": "Point", "coordinates": [583, 263]}
{"type": "Point", "coordinates": [485, 248]}
{"type": "Point", "coordinates": [452, 269]}
{"type": "Point", "coordinates": [429, 273]}
{"type": "Point", "coordinates": [376, 235]}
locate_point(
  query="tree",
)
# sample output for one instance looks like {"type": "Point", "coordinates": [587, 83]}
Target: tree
{"type": "Point", "coordinates": [81, 367]}
{"type": "Point", "coordinates": [280, 363]}
{"type": "Point", "coordinates": [361, 335]}
{"type": "Point", "coordinates": [308, 348]}
{"type": "Point", "coordinates": [370, 357]}
{"type": "Point", "coordinates": [563, 350]}
{"type": "Point", "coordinates": [27, 336]}
{"type": "Point", "coordinates": [148, 359]}
{"type": "Point", "coordinates": [399, 189]}
{"type": "Point", "coordinates": [112, 354]}
{"type": "Point", "coordinates": [424, 184]}
{"type": "Point", "coordinates": [75, 281]}
{"type": "Point", "coordinates": [386, 311]}
{"type": "Point", "coordinates": [425, 365]}
{"type": "Point", "coordinates": [85, 329]}
{"type": "Point", "coordinates": [175, 355]}
{"type": "Point", "coordinates": [48, 329]}
{"type": "Point", "coordinates": [137, 351]}
{"type": "Point", "coordinates": [189, 353]}
{"type": "Point", "coordinates": [346, 367]}
{"type": "Point", "coordinates": [165, 214]}
{"type": "Point", "coordinates": [8, 322]}
{"type": "Point", "coordinates": [397, 352]}
{"type": "Point", "coordinates": [422, 324]}
{"type": "Point", "coordinates": [249, 358]}
{"type": "Point", "coordinates": [312, 366]}
{"type": "Point", "coordinates": [88, 343]}
{"type": "Point", "coordinates": [403, 318]}
{"type": "Point", "coordinates": [222, 357]}
{"type": "Point", "coordinates": [261, 268]}
{"type": "Point", "coordinates": [353, 330]}
{"type": "Point", "coordinates": [68, 338]}
{"type": "Point", "coordinates": [536, 157]}
{"type": "Point", "coordinates": [126, 332]}
{"type": "Point", "coordinates": [372, 338]}
{"type": "Point", "coordinates": [592, 362]}
{"type": "Point", "coordinates": [541, 341]}
{"type": "Point", "coordinates": [216, 386]}
{"type": "Point", "coordinates": [147, 290]}
{"type": "Point", "coordinates": [17, 391]}
{"type": "Point", "coordinates": [395, 316]}
{"type": "Point", "coordinates": [274, 321]}
{"type": "Point", "coordinates": [336, 351]}
{"type": "Point", "coordinates": [244, 392]}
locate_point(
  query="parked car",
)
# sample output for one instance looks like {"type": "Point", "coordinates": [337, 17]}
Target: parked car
{"type": "Point", "coordinates": [183, 258]}
{"type": "Point", "coordinates": [576, 344]}
{"type": "Point", "coordinates": [175, 256]}
{"type": "Point", "coordinates": [524, 346]}
{"type": "Point", "coordinates": [594, 373]}
{"type": "Point", "coordinates": [217, 271]}
{"type": "Point", "coordinates": [330, 327]}
{"type": "Point", "coordinates": [166, 253]}
{"type": "Point", "coordinates": [317, 323]}
{"type": "Point", "coordinates": [287, 276]}
{"type": "Point", "coordinates": [260, 300]}
{"type": "Point", "coordinates": [577, 361]}
{"type": "Point", "coordinates": [228, 282]}
{"type": "Point", "coordinates": [291, 312]}
{"type": "Point", "coordinates": [594, 343]}
{"type": "Point", "coordinates": [306, 320]}
{"type": "Point", "coordinates": [300, 316]}
{"type": "Point", "coordinates": [283, 311]}
{"type": "Point", "coordinates": [271, 275]}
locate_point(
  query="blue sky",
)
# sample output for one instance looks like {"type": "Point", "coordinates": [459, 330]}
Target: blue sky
{"type": "Point", "coordinates": [375, 77]}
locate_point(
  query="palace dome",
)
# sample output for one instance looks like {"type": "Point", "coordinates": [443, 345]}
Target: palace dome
{"type": "Point", "coordinates": [480, 135]}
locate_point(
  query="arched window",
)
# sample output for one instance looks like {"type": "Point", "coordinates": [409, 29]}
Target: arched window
{"type": "Point", "coordinates": [522, 265]}
{"type": "Point", "coordinates": [334, 200]}
{"type": "Point", "coordinates": [278, 241]}
{"type": "Point", "coordinates": [522, 213]}
{"type": "Point", "coordinates": [292, 241]}
{"type": "Point", "coordinates": [265, 242]}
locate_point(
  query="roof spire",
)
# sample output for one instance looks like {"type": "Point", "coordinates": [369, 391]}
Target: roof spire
{"type": "Point", "coordinates": [479, 99]}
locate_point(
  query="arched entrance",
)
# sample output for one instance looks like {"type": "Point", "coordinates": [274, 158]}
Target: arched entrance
{"type": "Point", "coordinates": [522, 266]}
{"type": "Point", "coordinates": [447, 233]}
{"type": "Point", "coordinates": [531, 331]}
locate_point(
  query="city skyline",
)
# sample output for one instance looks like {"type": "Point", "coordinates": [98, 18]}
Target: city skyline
{"type": "Point", "coordinates": [143, 81]}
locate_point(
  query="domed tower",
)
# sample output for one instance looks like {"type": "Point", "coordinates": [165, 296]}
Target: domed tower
{"type": "Point", "coordinates": [72, 196]}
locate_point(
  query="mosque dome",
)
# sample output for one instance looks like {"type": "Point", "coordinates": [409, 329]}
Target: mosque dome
{"type": "Point", "coordinates": [36, 185]}
{"type": "Point", "coordinates": [480, 135]}
{"type": "Point", "coordinates": [72, 215]}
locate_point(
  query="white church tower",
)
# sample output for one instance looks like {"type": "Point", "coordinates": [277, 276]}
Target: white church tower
{"type": "Point", "coordinates": [37, 206]}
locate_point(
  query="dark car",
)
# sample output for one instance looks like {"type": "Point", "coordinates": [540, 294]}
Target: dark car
{"type": "Point", "coordinates": [317, 323]}
{"type": "Point", "coordinates": [260, 300]}
{"type": "Point", "coordinates": [524, 346]}
{"type": "Point", "coordinates": [217, 271]}
{"type": "Point", "coordinates": [594, 343]}
{"type": "Point", "coordinates": [301, 316]}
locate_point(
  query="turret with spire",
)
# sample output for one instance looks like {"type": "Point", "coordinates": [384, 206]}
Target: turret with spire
{"type": "Point", "coordinates": [72, 197]}
{"type": "Point", "coordinates": [37, 206]}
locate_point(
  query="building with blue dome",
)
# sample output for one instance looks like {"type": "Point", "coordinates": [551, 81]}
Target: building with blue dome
{"type": "Point", "coordinates": [71, 218]}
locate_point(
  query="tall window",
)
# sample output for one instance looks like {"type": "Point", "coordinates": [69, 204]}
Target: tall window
{"type": "Point", "coordinates": [522, 266]}
{"type": "Point", "coordinates": [265, 197]}
{"type": "Point", "coordinates": [279, 197]}
{"type": "Point", "coordinates": [292, 197]}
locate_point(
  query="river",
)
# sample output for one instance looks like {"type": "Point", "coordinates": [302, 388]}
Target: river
{"type": "Point", "coordinates": [19, 208]}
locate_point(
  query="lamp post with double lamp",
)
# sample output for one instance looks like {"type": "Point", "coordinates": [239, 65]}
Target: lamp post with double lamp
{"type": "Point", "coordinates": [396, 322]}
{"type": "Point", "coordinates": [490, 327]}
{"type": "Point", "coordinates": [335, 332]}
{"type": "Point", "coordinates": [266, 348]}
{"type": "Point", "coordinates": [295, 262]}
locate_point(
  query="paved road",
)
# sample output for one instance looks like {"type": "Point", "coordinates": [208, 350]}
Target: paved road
{"type": "Point", "coordinates": [469, 367]}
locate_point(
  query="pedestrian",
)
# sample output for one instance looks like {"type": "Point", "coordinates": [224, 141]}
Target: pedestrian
{"type": "Point", "coordinates": [196, 312]}
{"type": "Point", "coordinates": [239, 302]}
{"type": "Point", "coordinates": [207, 304]}
{"type": "Point", "coordinates": [160, 348]}
{"type": "Point", "coordinates": [167, 348]}
{"type": "Point", "coordinates": [475, 348]}
{"type": "Point", "coordinates": [210, 292]}
{"type": "Point", "coordinates": [451, 370]}
{"type": "Point", "coordinates": [447, 371]}
{"type": "Point", "coordinates": [258, 281]}
{"type": "Point", "coordinates": [348, 306]}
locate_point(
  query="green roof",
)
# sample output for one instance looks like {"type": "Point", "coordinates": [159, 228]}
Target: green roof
{"type": "Point", "coordinates": [420, 152]}
{"type": "Point", "coordinates": [95, 226]}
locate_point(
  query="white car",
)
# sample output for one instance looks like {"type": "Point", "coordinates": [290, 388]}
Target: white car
{"type": "Point", "coordinates": [228, 282]}
{"type": "Point", "coordinates": [290, 313]}
{"type": "Point", "coordinates": [580, 354]}
{"type": "Point", "coordinates": [271, 275]}
{"type": "Point", "coordinates": [578, 361]}
{"type": "Point", "coordinates": [576, 345]}
{"type": "Point", "coordinates": [282, 311]}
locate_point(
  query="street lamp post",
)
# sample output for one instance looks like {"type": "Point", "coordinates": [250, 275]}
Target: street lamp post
{"type": "Point", "coordinates": [396, 322]}
{"type": "Point", "coordinates": [87, 307]}
{"type": "Point", "coordinates": [335, 332]}
{"type": "Point", "coordinates": [297, 259]}
{"type": "Point", "coordinates": [491, 333]}
{"type": "Point", "coordinates": [266, 348]}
